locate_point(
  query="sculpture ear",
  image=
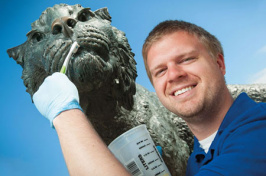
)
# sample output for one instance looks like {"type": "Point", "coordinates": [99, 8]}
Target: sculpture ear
{"type": "Point", "coordinates": [17, 53]}
{"type": "Point", "coordinates": [103, 13]}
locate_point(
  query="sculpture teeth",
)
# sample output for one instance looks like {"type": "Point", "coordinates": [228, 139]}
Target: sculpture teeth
{"type": "Point", "coordinates": [183, 90]}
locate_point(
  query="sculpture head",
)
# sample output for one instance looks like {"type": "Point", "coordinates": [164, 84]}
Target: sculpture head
{"type": "Point", "coordinates": [103, 62]}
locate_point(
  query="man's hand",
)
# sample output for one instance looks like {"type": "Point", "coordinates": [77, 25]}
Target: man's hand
{"type": "Point", "coordinates": [84, 151]}
{"type": "Point", "coordinates": [56, 94]}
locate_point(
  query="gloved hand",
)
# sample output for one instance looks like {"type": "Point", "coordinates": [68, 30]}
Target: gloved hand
{"type": "Point", "coordinates": [56, 94]}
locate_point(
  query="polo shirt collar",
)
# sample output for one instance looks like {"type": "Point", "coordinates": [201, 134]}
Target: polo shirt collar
{"type": "Point", "coordinates": [242, 101]}
{"type": "Point", "coordinates": [234, 112]}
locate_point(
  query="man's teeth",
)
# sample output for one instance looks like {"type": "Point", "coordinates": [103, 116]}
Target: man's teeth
{"type": "Point", "coordinates": [183, 90]}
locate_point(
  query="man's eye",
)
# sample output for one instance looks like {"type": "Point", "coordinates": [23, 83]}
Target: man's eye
{"type": "Point", "coordinates": [160, 72]}
{"type": "Point", "coordinates": [188, 59]}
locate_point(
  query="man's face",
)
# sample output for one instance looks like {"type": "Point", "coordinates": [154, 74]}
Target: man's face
{"type": "Point", "coordinates": [187, 80]}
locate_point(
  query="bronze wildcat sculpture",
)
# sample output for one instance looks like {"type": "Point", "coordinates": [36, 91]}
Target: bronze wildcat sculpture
{"type": "Point", "coordinates": [104, 71]}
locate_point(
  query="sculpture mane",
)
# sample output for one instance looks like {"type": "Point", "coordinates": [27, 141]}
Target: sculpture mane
{"type": "Point", "coordinates": [104, 59]}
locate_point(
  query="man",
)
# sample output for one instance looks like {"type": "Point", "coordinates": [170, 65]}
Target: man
{"type": "Point", "coordinates": [186, 66]}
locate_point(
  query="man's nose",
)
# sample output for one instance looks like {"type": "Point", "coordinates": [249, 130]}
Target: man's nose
{"type": "Point", "coordinates": [63, 25]}
{"type": "Point", "coordinates": [175, 73]}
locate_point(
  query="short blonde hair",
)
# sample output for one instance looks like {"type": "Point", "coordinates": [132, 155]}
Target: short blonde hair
{"type": "Point", "coordinates": [171, 26]}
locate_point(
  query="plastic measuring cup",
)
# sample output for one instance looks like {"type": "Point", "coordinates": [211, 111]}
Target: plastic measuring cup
{"type": "Point", "coordinates": [136, 151]}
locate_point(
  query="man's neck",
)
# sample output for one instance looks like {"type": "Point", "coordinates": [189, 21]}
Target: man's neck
{"type": "Point", "coordinates": [203, 130]}
{"type": "Point", "coordinates": [207, 123]}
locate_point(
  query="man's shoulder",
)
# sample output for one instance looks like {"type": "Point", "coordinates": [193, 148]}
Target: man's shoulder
{"type": "Point", "coordinates": [243, 111]}
{"type": "Point", "coordinates": [244, 123]}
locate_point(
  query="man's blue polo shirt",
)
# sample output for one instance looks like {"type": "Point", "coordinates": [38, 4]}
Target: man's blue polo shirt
{"type": "Point", "coordinates": [239, 147]}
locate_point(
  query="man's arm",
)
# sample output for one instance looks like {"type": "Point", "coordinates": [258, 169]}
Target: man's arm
{"type": "Point", "coordinates": [84, 151]}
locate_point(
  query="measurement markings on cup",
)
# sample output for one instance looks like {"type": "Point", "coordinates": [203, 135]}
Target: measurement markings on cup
{"type": "Point", "coordinates": [141, 158]}
{"type": "Point", "coordinates": [155, 167]}
{"type": "Point", "coordinates": [149, 163]}
{"type": "Point", "coordinates": [142, 141]}
{"type": "Point", "coordinates": [160, 173]}
{"type": "Point", "coordinates": [145, 145]}
{"type": "Point", "coordinates": [148, 153]}
{"type": "Point", "coordinates": [139, 154]}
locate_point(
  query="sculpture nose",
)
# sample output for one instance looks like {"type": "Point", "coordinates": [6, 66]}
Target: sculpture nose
{"type": "Point", "coordinates": [64, 25]}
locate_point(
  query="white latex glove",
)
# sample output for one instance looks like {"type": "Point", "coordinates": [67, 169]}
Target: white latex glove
{"type": "Point", "coordinates": [56, 94]}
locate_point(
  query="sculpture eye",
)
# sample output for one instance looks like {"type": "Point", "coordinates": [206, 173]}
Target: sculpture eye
{"type": "Point", "coordinates": [37, 37]}
{"type": "Point", "coordinates": [71, 22]}
{"type": "Point", "coordinates": [85, 15]}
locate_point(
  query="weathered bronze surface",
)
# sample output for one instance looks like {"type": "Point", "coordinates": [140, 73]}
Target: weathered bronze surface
{"type": "Point", "coordinates": [104, 71]}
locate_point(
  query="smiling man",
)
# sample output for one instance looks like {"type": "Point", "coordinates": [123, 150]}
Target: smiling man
{"type": "Point", "coordinates": [185, 64]}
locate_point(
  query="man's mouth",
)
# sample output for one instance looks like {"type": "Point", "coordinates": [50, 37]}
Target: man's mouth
{"type": "Point", "coordinates": [181, 91]}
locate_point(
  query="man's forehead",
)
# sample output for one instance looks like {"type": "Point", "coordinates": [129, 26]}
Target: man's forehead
{"type": "Point", "coordinates": [180, 39]}
{"type": "Point", "coordinates": [181, 33]}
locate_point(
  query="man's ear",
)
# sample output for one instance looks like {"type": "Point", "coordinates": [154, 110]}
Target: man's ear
{"type": "Point", "coordinates": [221, 64]}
